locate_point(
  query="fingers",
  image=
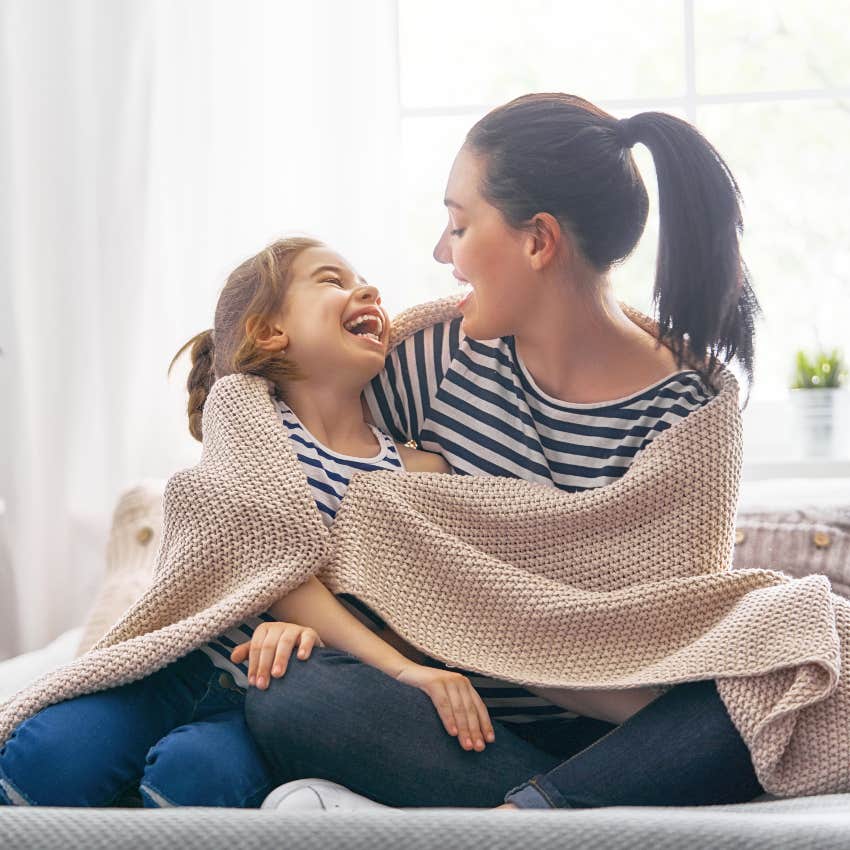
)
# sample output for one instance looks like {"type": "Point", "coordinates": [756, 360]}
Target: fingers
{"type": "Point", "coordinates": [240, 652]}
{"type": "Point", "coordinates": [254, 653]}
{"type": "Point", "coordinates": [461, 717]}
{"type": "Point", "coordinates": [465, 715]}
{"type": "Point", "coordinates": [484, 721]}
{"type": "Point", "coordinates": [307, 641]}
{"type": "Point", "coordinates": [271, 652]}
{"type": "Point", "coordinates": [471, 735]}
{"type": "Point", "coordinates": [443, 704]}
{"type": "Point", "coordinates": [267, 651]}
{"type": "Point", "coordinates": [270, 648]}
{"type": "Point", "coordinates": [476, 734]}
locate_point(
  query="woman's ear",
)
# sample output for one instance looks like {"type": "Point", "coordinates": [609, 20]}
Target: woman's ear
{"type": "Point", "coordinates": [266, 338]}
{"type": "Point", "coordinates": [545, 240]}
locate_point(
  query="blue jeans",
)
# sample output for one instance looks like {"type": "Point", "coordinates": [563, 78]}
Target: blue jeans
{"type": "Point", "coordinates": [175, 738]}
{"type": "Point", "coordinates": [333, 717]}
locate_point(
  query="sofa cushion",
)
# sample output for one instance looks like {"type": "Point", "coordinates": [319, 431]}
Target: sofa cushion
{"type": "Point", "coordinates": [130, 556]}
{"type": "Point", "coordinates": [797, 526]}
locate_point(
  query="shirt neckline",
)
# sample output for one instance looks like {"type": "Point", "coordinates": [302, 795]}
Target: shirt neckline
{"type": "Point", "coordinates": [586, 405]}
{"type": "Point", "coordinates": [382, 447]}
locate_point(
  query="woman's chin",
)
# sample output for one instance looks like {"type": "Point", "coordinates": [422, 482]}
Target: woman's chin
{"type": "Point", "coordinates": [469, 327]}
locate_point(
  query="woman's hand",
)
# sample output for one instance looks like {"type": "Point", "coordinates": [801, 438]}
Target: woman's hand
{"type": "Point", "coordinates": [270, 648]}
{"type": "Point", "coordinates": [461, 709]}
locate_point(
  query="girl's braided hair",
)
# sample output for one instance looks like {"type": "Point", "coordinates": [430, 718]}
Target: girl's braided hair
{"type": "Point", "coordinates": [256, 289]}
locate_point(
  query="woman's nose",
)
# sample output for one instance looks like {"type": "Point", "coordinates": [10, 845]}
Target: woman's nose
{"type": "Point", "coordinates": [442, 251]}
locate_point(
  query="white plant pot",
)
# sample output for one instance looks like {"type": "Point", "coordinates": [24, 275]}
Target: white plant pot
{"type": "Point", "coordinates": [821, 421]}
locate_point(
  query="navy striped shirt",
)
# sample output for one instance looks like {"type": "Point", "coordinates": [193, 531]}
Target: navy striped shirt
{"type": "Point", "coordinates": [476, 404]}
{"type": "Point", "coordinates": [328, 472]}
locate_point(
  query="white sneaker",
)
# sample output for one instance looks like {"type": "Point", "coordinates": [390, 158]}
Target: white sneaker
{"type": "Point", "coordinates": [318, 795]}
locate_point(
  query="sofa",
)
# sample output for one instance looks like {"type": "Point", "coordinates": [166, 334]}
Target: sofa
{"type": "Point", "coordinates": [799, 526]}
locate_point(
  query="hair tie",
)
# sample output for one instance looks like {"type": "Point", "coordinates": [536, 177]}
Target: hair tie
{"type": "Point", "coordinates": [626, 132]}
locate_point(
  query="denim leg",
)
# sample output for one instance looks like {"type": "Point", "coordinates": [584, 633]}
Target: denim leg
{"type": "Point", "coordinates": [211, 762]}
{"type": "Point", "coordinates": [333, 717]}
{"type": "Point", "coordinates": [89, 750]}
{"type": "Point", "coordinates": [680, 750]}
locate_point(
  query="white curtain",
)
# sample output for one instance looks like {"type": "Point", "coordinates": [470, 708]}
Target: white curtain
{"type": "Point", "coordinates": [146, 148]}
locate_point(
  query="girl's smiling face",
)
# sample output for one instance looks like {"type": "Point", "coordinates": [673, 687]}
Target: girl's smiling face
{"type": "Point", "coordinates": [486, 253]}
{"type": "Point", "coordinates": [317, 325]}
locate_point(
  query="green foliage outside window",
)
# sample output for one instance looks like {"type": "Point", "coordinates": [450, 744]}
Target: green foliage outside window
{"type": "Point", "coordinates": [819, 369]}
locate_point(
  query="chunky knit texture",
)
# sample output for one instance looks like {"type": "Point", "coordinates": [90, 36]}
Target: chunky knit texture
{"type": "Point", "coordinates": [620, 586]}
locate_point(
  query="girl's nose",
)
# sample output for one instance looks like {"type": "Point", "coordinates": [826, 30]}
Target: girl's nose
{"type": "Point", "coordinates": [367, 292]}
{"type": "Point", "coordinates": [442, 251]}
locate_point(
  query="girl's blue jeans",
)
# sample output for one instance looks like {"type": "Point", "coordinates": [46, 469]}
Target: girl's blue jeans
{"type": "Point", "coordinates": [333, 717]}
{"type": "Point", "coordinates": [175, 738]}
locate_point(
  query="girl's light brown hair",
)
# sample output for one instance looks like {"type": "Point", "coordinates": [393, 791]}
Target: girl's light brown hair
{"type": "Point", "coordinates": [256, 289]}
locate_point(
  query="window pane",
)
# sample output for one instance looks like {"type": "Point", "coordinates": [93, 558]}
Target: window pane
{"type": "Point", "coordinates": [765, 45]}
{"type": "Point", "coordinates": [480, 53]}
{"type": "Point", "coordinates": [790, 161]}
{"type": "Point", "coordinates": [429, 146]}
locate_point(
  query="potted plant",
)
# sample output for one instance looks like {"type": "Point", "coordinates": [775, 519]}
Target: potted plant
{"type": "Point", "coordinates": [820, 402]}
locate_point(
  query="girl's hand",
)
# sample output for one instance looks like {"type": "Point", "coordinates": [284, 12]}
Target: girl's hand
{"type": "Point", "coordinates": [461, 709]}
{"type": "Point", "coordinates": [270, 648]}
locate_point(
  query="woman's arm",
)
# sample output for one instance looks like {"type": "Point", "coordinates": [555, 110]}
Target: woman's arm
{"type": "Point", "coordinates": [312, 604]}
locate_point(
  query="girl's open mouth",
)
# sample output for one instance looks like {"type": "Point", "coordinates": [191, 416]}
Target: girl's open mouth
{"type": "Point", "coordinates": [370, 338]}
{"type": "Point", "coordinates": [369, 326]}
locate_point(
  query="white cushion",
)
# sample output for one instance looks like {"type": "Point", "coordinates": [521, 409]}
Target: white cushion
{"type": "Point", "coordinates": [18, 672]}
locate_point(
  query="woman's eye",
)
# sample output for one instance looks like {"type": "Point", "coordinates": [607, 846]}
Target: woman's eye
{"type": "Point", "coordinates": [457, 232]}
{"type": "Point", "coordinates": [335, 280]}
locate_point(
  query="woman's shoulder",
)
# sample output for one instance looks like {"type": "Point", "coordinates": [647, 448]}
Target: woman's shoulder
{"type": "Point", "coordinates": [441, 311]}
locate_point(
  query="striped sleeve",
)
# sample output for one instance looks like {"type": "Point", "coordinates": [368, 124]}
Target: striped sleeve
{"type": "Point", "coordinates": [399, 398]}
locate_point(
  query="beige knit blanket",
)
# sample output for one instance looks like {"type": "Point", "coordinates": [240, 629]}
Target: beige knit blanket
{"type": "Point", "coordinates": [620, 586]}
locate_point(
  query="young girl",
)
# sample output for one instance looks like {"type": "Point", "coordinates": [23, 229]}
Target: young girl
{"type": "Point", "coordinates": [299, 315]}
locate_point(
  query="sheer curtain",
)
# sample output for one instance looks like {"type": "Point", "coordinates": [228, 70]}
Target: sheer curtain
{"type": "Point", "coordinates": [146, 148]}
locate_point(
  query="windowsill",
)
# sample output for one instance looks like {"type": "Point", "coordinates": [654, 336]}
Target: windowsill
{"type": "Point", "coordinates": [779, 442]}
{"type": "Point", "coordinates": [763, 468]}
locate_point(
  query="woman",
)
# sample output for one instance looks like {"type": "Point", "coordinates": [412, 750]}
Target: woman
{"type": "Point", "coordinates": [546, 378]}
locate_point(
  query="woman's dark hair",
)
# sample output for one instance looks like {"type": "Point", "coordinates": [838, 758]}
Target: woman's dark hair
{"type": "Point", "coordinates": [254, 290]}
{"type": "Point", "coordinates": [560, 154]}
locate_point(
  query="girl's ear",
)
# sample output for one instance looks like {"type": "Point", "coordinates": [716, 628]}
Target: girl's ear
{"type": "Point", "coordinates": [267, 338]}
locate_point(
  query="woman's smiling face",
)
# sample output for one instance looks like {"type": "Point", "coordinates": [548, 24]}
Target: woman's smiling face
{"type": "Point", "coordinates": [485, 252]}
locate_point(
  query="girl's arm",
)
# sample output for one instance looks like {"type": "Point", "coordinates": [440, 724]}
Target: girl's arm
{"type": "Point", "coordinates": [418, 460]}
{"type": "Point", "coordinates": [316, 609]}
{"type": "Point", "coordinates": [312, 604]}
{"type": "Point", "coordinates": [611, 706]}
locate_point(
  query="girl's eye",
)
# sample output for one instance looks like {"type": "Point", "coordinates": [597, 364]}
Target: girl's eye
{"type": "Point", "coordinates": [335, 280]}
{"type": "Point", "coordinates": [457, 232]}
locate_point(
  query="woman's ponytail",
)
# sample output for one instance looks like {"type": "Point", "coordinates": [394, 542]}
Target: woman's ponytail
{"type": "Point", "coordinates": [201, 378]}
{"type": "Point", "coordinates": [560, 154]}
{"type": "Point", "coordinates": [702, 286]}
